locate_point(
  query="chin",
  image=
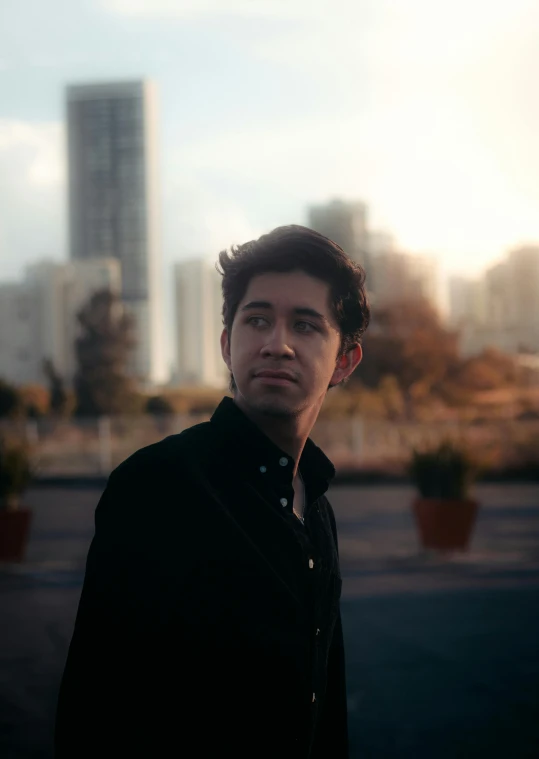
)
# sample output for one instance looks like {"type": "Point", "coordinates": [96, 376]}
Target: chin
{"type": "Point", "coordinates": [272, 404]}
{"type": "Point", "coordinates": [275, 407]}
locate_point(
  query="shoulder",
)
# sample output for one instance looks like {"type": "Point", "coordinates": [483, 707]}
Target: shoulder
{"type": "Point", "coordinates": [155, 478]}
{"type": "Point", "coordinates": [174, 456]}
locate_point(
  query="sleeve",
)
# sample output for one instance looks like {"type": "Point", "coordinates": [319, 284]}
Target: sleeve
{"type": "Point", "coordinates": [99, 710]}
{"type": "Point", "coordinates": [332, 732]}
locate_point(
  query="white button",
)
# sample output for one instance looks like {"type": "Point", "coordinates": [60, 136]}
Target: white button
{"type": "Point", "coordinates": [263, 469]}
{"type": "Point", "coordinates": [314, 697]}
{"type": "Point", "coordinates": [283, 461]}
{"type": "Point", "coordinates": [311, 563]}
{"type": "Point", "coordinates": [283, 502]}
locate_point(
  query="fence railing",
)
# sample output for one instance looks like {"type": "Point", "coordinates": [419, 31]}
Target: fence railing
{"type": "Point", "coordinates": [88, 447]}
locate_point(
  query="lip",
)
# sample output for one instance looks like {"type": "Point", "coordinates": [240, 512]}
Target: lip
{"type": "Point", "coordinates": [275, 378]}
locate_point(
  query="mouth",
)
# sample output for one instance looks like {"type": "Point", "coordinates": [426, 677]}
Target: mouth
{"type": "Point", "coordinates": [275, 378]}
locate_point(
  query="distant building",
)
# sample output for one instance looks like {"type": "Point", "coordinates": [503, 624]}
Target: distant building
{"type": "Point", "coordinates": [400, 276]}
{"type": "Point", "coordinates": [113, 201]}
{"type": "Point", "coordinates": [523, 270]}
{"type": "Point", "coordinates": [18, 360]}
{"type": "Point", "coordinates": [346, 224]}
{"type": "Point", "coordinates": [198, 304]}
{"type": "Point", "coordinates": [380, 242]}
{"type": "Point", "coordinates": [498, 295]}
{"type": "Point", "coordinates": [508, 300]}
{"type": "Point", "coordinates": [38, 317]}
{"type": "Point", "coordinates": [466, 302]}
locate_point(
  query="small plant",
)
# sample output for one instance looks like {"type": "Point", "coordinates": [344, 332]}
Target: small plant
{"type": "Point", "coordinates": [446, 471]}
{"type": "Point", "coordinates": [15, 473]}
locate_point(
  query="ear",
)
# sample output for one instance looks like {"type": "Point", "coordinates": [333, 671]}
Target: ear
{"type": "Point", "coordinates": [346, 364]}
{"type": "Point", "coordinates": [225, 349]}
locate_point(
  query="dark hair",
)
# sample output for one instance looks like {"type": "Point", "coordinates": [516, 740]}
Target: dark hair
{"type": "Point", "coordinates": [295, 247]}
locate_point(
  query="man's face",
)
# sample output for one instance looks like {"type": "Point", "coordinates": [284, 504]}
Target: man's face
{"type": "Point", "coordinates": [284, 323]}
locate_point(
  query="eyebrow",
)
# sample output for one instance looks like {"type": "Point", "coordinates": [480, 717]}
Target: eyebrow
{"type": "Point", "coordinates": [299, 310]}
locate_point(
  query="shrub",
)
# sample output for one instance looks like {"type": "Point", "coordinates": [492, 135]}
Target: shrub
{"type": "Point", "coordinates": [445, 471]}
{"type": "Point", "coordinates": [15, 472]}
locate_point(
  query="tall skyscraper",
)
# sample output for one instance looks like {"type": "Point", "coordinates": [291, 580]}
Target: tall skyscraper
{"type": "Point", "coordinates": [198, 300]}
{"type": "Point", "coordinates": [346, 224]}
{"type": "Point", "coordinates": [113, 201]}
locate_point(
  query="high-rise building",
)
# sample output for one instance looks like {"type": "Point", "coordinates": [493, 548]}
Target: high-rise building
{"type": "Point", "coordinates": [346, 224]}
{"type": "Point", "coordinates": [113, 201]}
{"type": "Point", "coordinates": [198, 302]}
{"type": "Point", "coordinates": [38, 316]}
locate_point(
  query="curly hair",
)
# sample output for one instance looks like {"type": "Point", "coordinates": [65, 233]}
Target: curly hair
{"type": "Point", "coordinates": [290, 248]}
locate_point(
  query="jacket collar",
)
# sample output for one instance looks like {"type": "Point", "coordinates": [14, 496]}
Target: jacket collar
{"type": "Point", "coordinates": [250, 450]}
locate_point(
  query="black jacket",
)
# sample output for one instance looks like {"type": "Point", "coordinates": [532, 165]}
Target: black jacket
{"type": "Point", "coordinates": [209, 621]}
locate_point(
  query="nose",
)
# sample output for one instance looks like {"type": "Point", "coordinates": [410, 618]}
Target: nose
{"type": "Point", "coordinates": [277, 344]}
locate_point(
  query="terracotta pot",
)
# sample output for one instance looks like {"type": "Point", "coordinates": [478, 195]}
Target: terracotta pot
{"type": "Point", "coordinates": [14, 531]}
{"type": "Point", "coordinates": [445, 523]}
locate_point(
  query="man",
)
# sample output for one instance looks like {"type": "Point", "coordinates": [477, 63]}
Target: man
{"type": "Point", "coordinates": [209, 621]}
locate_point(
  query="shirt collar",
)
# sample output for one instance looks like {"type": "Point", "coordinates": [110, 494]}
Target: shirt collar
{"type": "Point", "coordinates": [256, 454]}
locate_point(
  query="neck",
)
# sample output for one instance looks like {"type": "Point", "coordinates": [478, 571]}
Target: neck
{"type": "Point", "coordinates": [289, 433]}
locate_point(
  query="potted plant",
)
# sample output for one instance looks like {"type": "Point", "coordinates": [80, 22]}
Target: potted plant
{"type": "Point", "coordinates": [445, 513]}
{"type": "Point", "coordinates": [15, 475]}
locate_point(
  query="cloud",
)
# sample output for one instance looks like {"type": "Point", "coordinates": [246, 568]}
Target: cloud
{"type": "Point", "coordinates": [32, 181]}
{"type": "Point", "coordinates": [32, 153]}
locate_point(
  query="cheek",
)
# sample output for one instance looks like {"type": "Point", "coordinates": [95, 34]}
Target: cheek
{"type": "Point", "coordinates": [324, 366]}
{"type": "Point", "coordinates": [241, 346]}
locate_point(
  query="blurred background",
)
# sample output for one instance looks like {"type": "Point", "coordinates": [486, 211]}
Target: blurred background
{"type": "Point", "coordinates": [137, 140]}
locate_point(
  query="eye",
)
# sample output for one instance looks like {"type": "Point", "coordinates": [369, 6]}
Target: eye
{"type": "Point", "coordinates": [306, 324]}
{"type": "Point", "coordinates": [252, 319]}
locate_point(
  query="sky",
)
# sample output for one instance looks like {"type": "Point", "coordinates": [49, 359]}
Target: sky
{"type": "Point", "coordinates": [424, 109]}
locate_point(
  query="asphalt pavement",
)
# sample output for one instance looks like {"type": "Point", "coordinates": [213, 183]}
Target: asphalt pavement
{"type": "Point", "coordinates": [442, 653]}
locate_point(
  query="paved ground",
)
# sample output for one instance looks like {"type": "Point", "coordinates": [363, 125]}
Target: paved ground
{"type": "Point", "coordinates": [442, 655]}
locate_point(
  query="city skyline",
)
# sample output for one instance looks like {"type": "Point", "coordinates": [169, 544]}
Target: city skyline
{"type": "Point", "coordinates": [259, 122]}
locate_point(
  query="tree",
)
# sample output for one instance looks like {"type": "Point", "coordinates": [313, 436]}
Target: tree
{"type": "Point", "coordinates": [490, 370]}
{"type": "Point", "coordinates": [406, 340]}
{"type": "Point", "coordinates": [35, 399]}
{"type": "Point", "coordinates": [10, 400]}
{"type": "Point", "coordinates": [102, 385]}
{"type": "Point", "coordinates": [58, 393]}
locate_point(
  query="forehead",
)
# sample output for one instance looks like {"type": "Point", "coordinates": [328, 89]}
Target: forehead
{"type": "Point", "coordinates": [290, 289]}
